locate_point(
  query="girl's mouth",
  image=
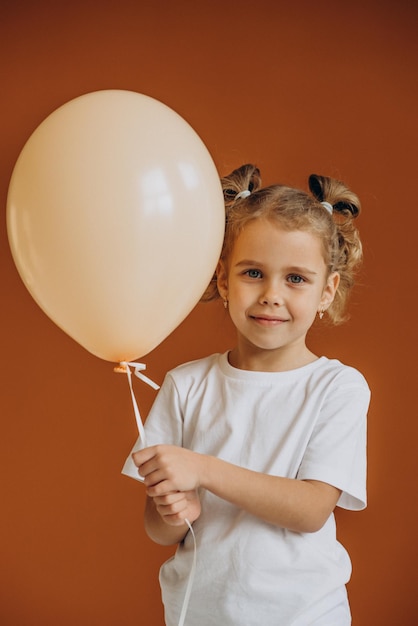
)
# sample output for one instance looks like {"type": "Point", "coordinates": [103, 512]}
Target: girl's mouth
{"type": "Point", "coordinates": [265, 320]}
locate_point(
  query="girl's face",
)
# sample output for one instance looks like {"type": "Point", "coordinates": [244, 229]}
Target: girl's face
{"type": "Point", "coordinates": [275, 283]}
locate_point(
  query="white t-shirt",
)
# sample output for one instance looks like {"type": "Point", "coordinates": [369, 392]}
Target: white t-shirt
{"type": "Point", "coordinates": [308, 423]}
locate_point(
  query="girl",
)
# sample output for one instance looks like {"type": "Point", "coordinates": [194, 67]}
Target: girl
{"type": "Point", "coordinates": [268, 438]}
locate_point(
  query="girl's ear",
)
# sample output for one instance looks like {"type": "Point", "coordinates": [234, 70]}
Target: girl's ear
{"type": "Point", "coordinates": [330, 289]}
{"type": "Point", "coordinates": [222, 280]}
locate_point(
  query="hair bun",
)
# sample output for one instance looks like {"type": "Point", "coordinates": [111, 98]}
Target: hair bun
{"type": "Point", "coordinates": [336, 193]}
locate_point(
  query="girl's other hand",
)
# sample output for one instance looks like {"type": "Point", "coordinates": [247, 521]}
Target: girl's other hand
{"type": "Point", "coordinates": [174, 508]}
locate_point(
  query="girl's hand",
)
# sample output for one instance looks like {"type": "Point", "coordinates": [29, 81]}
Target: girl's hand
{"type": "Point", "coordinates": [169, 469]}
{"type": "Point", "coordinates": [174, 508]}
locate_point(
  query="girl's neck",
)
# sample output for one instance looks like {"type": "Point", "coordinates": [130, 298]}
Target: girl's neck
{"type": "Point", "coordinates": [281, 360]}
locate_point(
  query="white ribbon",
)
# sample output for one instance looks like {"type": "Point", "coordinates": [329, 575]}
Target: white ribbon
{"type": "Point", "coordinates": [191, 578]}
{"type": "Point", "coordinates": [138, 368]}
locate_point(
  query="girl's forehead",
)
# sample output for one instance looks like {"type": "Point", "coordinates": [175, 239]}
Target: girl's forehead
{"type": "Point", "coordinates": [263, 233]}
{"type": "Point", "coordinates": [269, 244]}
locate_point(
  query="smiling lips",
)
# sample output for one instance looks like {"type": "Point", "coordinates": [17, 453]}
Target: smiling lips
{"type": "Point", "coordinates": [266, 320]}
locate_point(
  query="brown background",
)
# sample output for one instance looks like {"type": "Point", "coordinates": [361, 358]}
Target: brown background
{"type": "Point", "coordinates": [301, 87]}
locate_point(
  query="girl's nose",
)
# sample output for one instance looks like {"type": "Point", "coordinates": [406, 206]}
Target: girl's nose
{"type": "Point", "coordinates": [271, 296]}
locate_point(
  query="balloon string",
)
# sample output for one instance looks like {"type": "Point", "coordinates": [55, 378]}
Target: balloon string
{"type": "Point", "coordinates": [138, 368]}
{"type": "Point", "coordinates": [191, 578]}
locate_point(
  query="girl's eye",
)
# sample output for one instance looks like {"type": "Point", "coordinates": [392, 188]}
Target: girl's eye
{"type": "Point", "coordinates": [295, 279]}
{"type": "Point", "coordinates": [253, 273]}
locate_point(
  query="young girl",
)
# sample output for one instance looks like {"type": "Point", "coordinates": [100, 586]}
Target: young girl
{"type": "Point", "coordinates": [265, 440]}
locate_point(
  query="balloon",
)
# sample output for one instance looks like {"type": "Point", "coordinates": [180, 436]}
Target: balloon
{"type": "Point", "coordinates": [115, 219]}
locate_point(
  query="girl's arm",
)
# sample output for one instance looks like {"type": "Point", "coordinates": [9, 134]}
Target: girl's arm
{"type": "Point", "coordinates": [298, 505]}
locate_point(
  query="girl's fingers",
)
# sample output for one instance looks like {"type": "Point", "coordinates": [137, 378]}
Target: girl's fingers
{"type": "Point", "coordinates": [169, 498]}
{"type": "Point", "coordinates": [175, 508]}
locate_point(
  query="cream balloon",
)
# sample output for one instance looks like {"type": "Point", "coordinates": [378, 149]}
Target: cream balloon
{"type": "Point", "coordinates": [115, 219]}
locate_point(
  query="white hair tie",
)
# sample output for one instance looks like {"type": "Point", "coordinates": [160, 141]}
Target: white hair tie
{"type": "Point", "coordinates": [328, 207]}
{"type": "Point", "coordinates": [243, 194]}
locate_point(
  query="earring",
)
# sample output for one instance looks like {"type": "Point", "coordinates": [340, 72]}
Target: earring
{"type": "Point", "coordinates": [225, 303]}
{"type": "Point", "coordinates": [321, 313]}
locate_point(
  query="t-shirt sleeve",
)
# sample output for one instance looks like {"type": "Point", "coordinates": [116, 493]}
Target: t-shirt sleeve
{"type": "Point", "coordinates": [336, 452]}
{"type": "Point", "coordinates": [163, 424]}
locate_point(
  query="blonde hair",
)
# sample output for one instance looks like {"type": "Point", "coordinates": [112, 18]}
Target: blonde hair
{"type": "Point", "coordinates": [297, 210]}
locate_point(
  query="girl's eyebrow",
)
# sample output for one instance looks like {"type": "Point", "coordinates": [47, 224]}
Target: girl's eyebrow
{"type": "Point", "coordinates": [248, 262]}
{"type": "Point", "coordinates": [290, 270]}
{"type": "Point", "coordinates": [301, 270]}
